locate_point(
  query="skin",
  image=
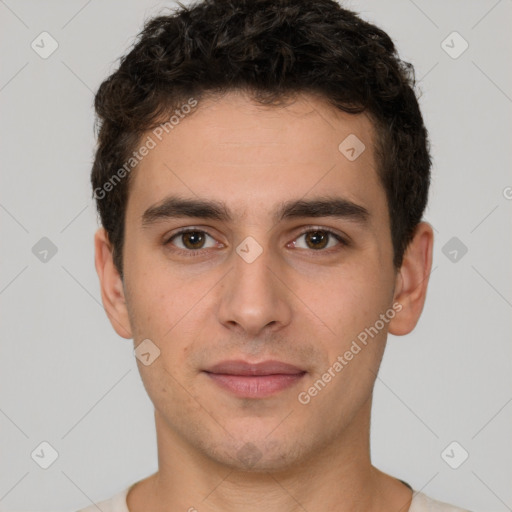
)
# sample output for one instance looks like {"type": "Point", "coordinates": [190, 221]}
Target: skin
{"type": "Point", "coordinates": [294, 303]}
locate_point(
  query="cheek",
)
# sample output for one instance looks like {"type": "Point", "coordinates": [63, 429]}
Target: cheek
{"type": "Point", "coordinates": [167, 307]}
{"type": "Point", "coordinates": [152, 299]}
{"type": "Point", "coordinates": [353, 300]}
{"type": "Point", "coordinates": [150, 280]}
{"type": "Point", "coordinates": [351, 306]}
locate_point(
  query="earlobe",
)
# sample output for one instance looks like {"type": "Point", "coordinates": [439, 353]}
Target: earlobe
{"type": "Point", "coordinates": [412, 280]}
{"type": "Point", "coordinates": [111, 284]}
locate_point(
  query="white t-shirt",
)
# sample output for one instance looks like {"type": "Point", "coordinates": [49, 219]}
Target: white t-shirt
{"type": "Point", "coordinates": [420, 503]}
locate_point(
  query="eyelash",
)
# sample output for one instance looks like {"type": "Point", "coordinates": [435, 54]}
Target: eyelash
{"type": "Point", "coordinates": [190, 253]}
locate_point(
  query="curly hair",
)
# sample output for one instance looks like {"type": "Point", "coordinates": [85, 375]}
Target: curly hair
{"type": "Point", "coordinates": [272, 49]}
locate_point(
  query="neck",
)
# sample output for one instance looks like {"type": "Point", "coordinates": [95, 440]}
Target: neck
{"type": "Point", "coordinates": [337, 477]}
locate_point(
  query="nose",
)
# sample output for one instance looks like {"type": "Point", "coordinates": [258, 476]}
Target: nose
{"type": "Point", "coordinates": [254, 298]}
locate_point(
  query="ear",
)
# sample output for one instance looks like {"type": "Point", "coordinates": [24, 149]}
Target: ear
{"type": "Point", "coordinates": [112, 290]}
{"type": "Point", "coordinates": [412, 280]}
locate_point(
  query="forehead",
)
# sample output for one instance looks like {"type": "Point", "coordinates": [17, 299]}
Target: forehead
{"type": "Point", "coordinates": [249, 155]}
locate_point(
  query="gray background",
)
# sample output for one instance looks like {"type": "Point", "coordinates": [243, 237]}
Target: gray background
{"type": "Point", "coordinates": [68, 379]}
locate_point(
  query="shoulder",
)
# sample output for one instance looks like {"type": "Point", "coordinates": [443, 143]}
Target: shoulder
{"type": "Point", "coordinates": [423, 503]}
{"type": "Point", "coordinates": [116, 503]}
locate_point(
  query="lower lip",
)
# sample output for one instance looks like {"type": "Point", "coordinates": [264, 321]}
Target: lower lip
{"type": "Point", "coordinates": [252, 386]}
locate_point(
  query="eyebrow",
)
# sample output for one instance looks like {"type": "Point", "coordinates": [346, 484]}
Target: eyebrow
{"type": "Point", "coordinates": [174, 207]}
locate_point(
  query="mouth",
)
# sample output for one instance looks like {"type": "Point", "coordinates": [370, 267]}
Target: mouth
{"type": "Point", "coordinates": [254, 380]}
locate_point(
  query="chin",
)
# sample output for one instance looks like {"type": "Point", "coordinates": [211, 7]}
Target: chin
{"type": "Point", "coordinates": [258, 455]}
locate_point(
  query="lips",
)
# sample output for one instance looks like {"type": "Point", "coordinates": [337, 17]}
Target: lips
{"type": "Point", "coordinates": [254, 380]}
{"type": "Point", "coordinates": [239, 367]}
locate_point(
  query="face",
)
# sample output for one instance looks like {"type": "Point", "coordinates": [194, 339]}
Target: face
{"type": "Point", "coordinates": [286, 260]}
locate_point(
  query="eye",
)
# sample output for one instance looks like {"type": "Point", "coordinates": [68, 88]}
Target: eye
{"type": "Point", "coordinates": [318, 239]}
{"type": "Point", "coordinates": [191, 240]}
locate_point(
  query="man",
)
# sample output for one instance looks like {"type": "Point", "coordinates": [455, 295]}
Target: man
{"type": "Point", "coordinates": [261, 175]}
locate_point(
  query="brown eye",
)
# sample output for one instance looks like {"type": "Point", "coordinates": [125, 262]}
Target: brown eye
{"type": "Point", "coordinates": [191, 240]}
{"type": "Point", "coordinates": [318, 239]}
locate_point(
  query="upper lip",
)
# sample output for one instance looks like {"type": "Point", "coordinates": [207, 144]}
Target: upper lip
{"type": "Point", "coordinates": [240, 367]}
